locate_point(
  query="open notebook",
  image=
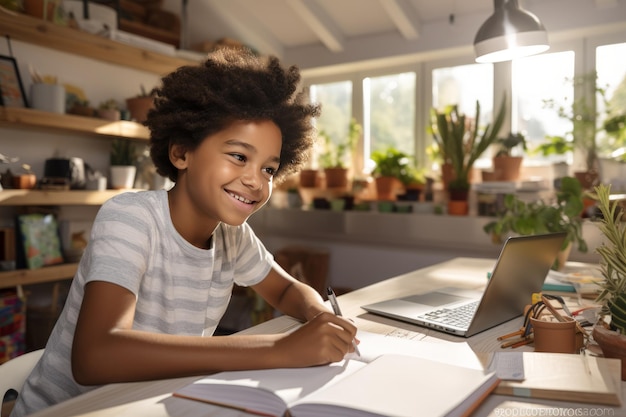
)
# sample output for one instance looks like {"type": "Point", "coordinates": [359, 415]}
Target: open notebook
{"type": "Point", "coordinates": [390, 385]}
{"type": "Point", "coordinates": [519, 272]}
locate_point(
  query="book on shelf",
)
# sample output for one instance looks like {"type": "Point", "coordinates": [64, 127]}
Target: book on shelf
{"type": "Point", "coordinates": [390, 384]}
{"type": "Point", "coordinates": [567, 377]}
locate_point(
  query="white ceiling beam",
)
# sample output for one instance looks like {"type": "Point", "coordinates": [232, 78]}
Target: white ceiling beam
{"type": "Point", "coordinates": [247, 28]}
{"type": "Point", "coordinates": [319, 22]}
{"type": "Point", "coordinates": [403, 16]}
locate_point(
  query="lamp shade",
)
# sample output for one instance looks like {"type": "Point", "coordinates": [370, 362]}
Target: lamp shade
{"type": "Point", "coordinates": [510, 32]}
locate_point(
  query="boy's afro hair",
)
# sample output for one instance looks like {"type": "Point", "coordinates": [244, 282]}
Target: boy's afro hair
{"type": "Point", "coordinates": [232, 85]}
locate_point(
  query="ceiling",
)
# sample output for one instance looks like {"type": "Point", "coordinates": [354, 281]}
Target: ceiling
{"type": "Point", "coordinates": [336, 31]}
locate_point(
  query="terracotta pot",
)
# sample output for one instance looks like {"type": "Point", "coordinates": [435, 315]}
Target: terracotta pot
{"type": "Point", "coordinates": [139, 107]}
{"type": "Point", "coordinates": [336, 177]}
{"type": "Point", "coordinates": [507, 168]}
{"type": "Point", "coordinates": [387, 188]}
{"type": "Point", "coordinates": [308, 178]}
{"type": "Point", "coordinates": [554, 336]}
{"type": "Point", "coordinates": [588, 179]}
{"type": "Point", "coordinates": [40, 8]}
{"type": "Point", "coordinates": [458, 207]}
{"type": "Point", "coordinates": [613, 345]}
{"type": "Point", "coordinates": [24, 181]}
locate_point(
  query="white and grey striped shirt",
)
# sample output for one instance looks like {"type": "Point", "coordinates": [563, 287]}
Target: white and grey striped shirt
{"type": "Point", "coordinates": [180, 288]}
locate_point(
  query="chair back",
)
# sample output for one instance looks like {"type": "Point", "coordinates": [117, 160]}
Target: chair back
{"type": "Point", "coordinates": [14, 372]}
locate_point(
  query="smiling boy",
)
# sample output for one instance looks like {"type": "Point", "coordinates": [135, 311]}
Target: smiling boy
{"type": "Point", "coordinates": [160, 266]}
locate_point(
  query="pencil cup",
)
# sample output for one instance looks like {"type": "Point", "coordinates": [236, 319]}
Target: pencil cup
{"type": "Point", "coordinates": [48, 97]}
{"type": "Point", "coordinates": [554, 336]}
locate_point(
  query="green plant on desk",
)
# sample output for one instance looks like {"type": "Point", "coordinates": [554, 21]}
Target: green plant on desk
{"type": "Point", "coordinates": [539, 217]}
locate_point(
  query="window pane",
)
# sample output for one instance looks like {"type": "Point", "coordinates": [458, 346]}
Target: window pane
{"type": "Point", "coordinates": [612, 77]}
{"type": "Point", "coordinates": [390, 113]}
{"type": "Point", "coordinates": [336, 100]}
{"type": "Point", "coordinates": [463, 85]}
{"type": "Point", "coordinates": [541, 85]}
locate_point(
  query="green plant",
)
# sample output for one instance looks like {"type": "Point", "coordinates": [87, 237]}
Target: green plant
{"type": "Point", "coordinates": [395, 163]}
{"type": "Point", "coordinates": [612, 260]}
{"type": "Point", "coordinates": [508, 143]}
{"type": "Point", "coordinates": [337, 153]}
{"type": "Point", "coordinates": [110, 104]}
{"type": "Point", "coordinates": [461, 142]}
{"type": "Point", "coordinates": [554, 145]}
{"type": "Point", "coordinates": [538, 217]}
{"type": "Point", "coordinates": [123, 152]}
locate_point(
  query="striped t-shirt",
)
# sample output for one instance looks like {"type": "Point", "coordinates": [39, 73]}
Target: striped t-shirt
{"type": "Point", "coordinates": [180, 288]}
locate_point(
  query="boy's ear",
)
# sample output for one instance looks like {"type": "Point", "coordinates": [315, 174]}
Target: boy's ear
{"type": "Point", "coordinates": [178, 156]}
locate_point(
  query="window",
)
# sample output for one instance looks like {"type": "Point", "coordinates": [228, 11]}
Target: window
{"type": "Point", "coordinates": [389, 113]}
{"type": "Point", "coordinates": [336, 99]}
{"type": "Point", "coordinates": [611, 106]}
{"type": "Point", "coordinates": [462, 86]}
{"type": "Point", "coordinates": [541, 85]}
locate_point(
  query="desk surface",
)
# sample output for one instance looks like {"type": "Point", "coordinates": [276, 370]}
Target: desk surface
{"type": "Point", "coordinates": [154, 398]}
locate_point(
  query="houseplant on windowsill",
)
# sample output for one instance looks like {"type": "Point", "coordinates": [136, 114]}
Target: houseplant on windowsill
{"type": "Point", "coordinates": [462, 142]}
{"type": "Point", "coordinates": [139, 105]}
{"type": "Point", "coordinates": [610, 331]}
{"type": "Point", "coordinates": [122, 159]}
{"type": "Point", "coordinates": [506, 165]}
{"type": "Point", "coordinates": [392, 170]}
{"type": "Point", "coordinates": [337, 155]}
{"type": "Point", "coordinates": [538, 217]}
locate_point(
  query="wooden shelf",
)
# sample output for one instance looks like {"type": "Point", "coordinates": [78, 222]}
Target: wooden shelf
{"type": "Point", "coordinates": [30, 118]}
{"type": "Point", "coordinates": [40, 32]}
{"type": "Point", "coordinates": [10, 279]}
{"type": "Point", "coordinates": [56, 198]}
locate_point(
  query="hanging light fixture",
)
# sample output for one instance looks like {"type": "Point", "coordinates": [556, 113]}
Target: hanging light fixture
{"type": "Point", "coordinates": [510, 32]}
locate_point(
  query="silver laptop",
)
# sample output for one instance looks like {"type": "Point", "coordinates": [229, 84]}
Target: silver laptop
{"type": "Point", "coordinates": [520, 271]}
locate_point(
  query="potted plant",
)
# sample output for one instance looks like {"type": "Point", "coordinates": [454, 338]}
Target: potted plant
{"type": "Point", "coordinates": [461, 143]}
{"type": "Point", "coordinates": [538, 217]}
{"type": "Point", "coordinates": [610, 331]}
{"type": "Point", "coordinates": [139, 105]}
{"type": "Point", "coordinates": [109, 110]}
{"type": "Point", "coordinates": [392, 170]}
{"type": "Point", "coordinates": [336, 156]}
{"type": "Point", "coordinates": [122, 160]}
{"type": "Point", "coordinates": [506, 166]}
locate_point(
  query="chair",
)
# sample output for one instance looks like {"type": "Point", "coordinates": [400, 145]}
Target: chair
{"type": "Point", "coordinates": [13, 374]}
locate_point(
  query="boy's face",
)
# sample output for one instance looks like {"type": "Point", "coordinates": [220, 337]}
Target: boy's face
{"type": "Point", "coordinates": [229, 176]}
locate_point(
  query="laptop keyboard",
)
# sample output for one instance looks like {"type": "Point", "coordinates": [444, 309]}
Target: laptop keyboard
{"type": "Point", "coordinates": [459, 316]}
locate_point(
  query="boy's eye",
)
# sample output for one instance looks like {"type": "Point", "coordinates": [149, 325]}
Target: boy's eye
{"type": "Point", "coordinates": [238, 157]}
{"type": "Point", "coordinates": [271, 171]}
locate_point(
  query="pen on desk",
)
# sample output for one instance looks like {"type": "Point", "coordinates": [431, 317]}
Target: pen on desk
{"type": "Point", "coordinates": [335, 305]}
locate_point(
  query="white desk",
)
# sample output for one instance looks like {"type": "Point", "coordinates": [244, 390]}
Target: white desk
{"type": "Point", "coordinates": [153, 399]}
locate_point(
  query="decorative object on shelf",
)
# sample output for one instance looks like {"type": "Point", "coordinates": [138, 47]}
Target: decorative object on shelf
{"type": "Point", "coordinates": [337, 155]}
{"type": "Point", "coordinates": [43, 9]}
{"type": "Point", "coordinates": [40, 241]}
{"type": "Point", "coordinates": [461, 142]}
{"type": "Point", "coordinates": [293, 198]}
{"type": "Point", "coordinates": [139, 106]}
{"type": "Point", "coordinates": [506, 166]}
{"type": "Point", "coordinates": [610, 331]}
{"type": "Point", "coordinates": [392, 170]}
{"type": "Point", "coordinates": [109, 110]}
{"type": "Point", "coordinates": [308, 178]}
{"type": "Point", "coordinates": [538, 217]}
{"type": "Point", "coordinates": [11, 88]}
{"type": "Point", "coordinates": [123, 169]}
{"type": "Point", "coordinates": [26, 180]}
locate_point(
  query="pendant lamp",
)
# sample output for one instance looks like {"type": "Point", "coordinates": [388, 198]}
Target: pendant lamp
{"type": "Point", "coordinates": [510, 32]}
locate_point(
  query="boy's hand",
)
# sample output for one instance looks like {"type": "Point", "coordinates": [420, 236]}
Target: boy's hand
{"type": "Point", "coordinates": [324, 339]}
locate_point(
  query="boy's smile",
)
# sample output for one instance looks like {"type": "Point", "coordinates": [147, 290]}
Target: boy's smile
{"type": "Point", "coordinates": [226, 178]}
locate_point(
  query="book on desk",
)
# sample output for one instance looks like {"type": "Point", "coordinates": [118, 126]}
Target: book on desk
{"type": "Point", "coordinates": [390, 385]}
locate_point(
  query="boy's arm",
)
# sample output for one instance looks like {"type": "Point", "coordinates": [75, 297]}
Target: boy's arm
{"type": "Point", "coordinates": [106, 348]}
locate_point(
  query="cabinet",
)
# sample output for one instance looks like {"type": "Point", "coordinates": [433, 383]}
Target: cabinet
{"type": "Point", "coordinates": [35, 31]}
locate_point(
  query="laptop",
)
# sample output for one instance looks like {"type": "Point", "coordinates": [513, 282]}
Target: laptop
{"type": "Point", "coordinates": [520, 271]}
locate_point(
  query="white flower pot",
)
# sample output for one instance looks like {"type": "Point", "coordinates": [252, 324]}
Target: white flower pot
{"type": "Point", "coordinates": [123, 177]}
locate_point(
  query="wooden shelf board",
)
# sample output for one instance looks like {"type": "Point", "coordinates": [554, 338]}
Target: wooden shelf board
{"type": "Point", "coordinates": [40, 32]}
{"type": "Point", "coordinates": [56, 198]}
{"type": "Point", "coordinates": [29, 118]}
{"type": "Point", "coordinates": [17, 277]}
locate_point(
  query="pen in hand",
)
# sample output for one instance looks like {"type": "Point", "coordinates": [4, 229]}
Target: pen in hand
{"type": "Point", "coordinates": [335, 305]}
